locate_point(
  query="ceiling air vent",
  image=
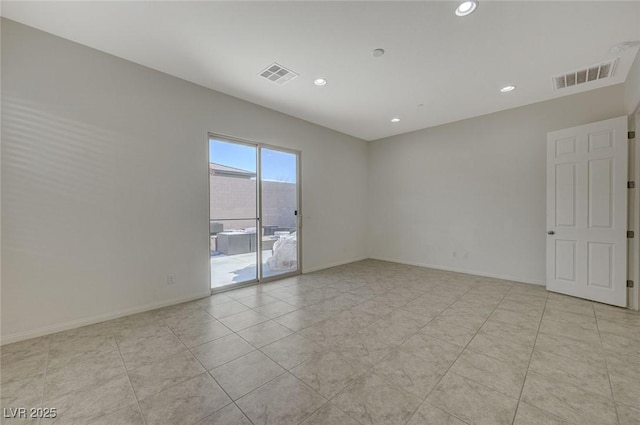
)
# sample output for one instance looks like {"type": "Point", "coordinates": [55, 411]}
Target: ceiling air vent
{"type": "Point", "coordinates": [592, 73]}
{"type": "Point", "coordinates": [278, 74]}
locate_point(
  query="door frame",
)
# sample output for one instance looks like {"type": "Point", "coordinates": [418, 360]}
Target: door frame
{"type": "Point", "coordinates": [634, 211]}
{"type": "Point", "coordinates": [621, 261]}
{"type": "Point", "coordinates": [259, 146]}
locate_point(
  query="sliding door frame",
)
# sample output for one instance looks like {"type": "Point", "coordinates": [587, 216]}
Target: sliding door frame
{"type": "Point", "coordinates": [256, 217]}
{"type": "Point", "coordinates": [259, 146]}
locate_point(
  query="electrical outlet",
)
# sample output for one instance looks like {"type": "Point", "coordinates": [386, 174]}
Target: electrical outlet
{"type": "Point", "coordinates": [466, 255]}
{"type": "Point", "coordinates": [454, 254]}
{"type": "Point", "coordinates": [171, 279]}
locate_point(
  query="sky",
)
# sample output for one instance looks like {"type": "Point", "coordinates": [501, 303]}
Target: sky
{"type": "Point", "coordinates": [276, 165]}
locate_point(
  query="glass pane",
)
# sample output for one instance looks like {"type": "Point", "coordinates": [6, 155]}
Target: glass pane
{"type": "Point", "coordinates": [233, 213]}
{"type": "Point", "coordinates": [279, 212]}
{"type": "Point", "coordinates": [233, 252]}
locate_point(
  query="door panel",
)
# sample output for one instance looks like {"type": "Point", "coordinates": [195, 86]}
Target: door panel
{"type": "Point", "coordinates": [587, 211]}
{"type": "Point", "coordinates": [233, 210]}
{"type": "Point", "coordinates": [279, 201]}
{"type": "Point", "coordinates": [599, 140]}
{"type": "Point", "coordinates": [565, 146]}
{"type": "Point", "coordinates": [566, 260]}
{"type": "Point", "coordinates": [601, 193]}
{"type": "Point", "coordinates": [600, 268]}
{"type": "Point", "coordinates": [566, 195]}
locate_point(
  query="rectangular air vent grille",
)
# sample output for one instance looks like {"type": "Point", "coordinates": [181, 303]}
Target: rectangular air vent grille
{"type": "Point", "coordinates": [592, 73]}
{"type": "Point", "coordinates": [278, 74]}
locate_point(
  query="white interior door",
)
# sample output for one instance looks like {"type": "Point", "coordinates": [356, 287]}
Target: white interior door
{"type": "Point", "coordinates": [587, 211]}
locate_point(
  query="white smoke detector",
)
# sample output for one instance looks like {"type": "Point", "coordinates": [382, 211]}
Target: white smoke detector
{"type": "Point", "coordinates": [624, 46]}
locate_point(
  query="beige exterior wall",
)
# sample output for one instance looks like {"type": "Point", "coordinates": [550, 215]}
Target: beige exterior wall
{"type": "Point", "coordinates": [232, 197]}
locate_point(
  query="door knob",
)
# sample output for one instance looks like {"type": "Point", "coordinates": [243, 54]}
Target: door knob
{"type": "Point", "coordinates": [551, 232]}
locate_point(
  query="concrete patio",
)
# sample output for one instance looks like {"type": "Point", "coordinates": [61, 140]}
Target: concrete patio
{"type": "Point", "coordinates": [230, 269]}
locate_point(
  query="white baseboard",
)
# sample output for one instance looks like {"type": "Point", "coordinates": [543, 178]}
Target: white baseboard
{"type": "Point", "coordinates": [465, 271]}
{"type": "Point", "coordinates": [21, 336]}
{"type": "Point", "coordinates": [8, 339]}
{"type": "Point", "coordinates": [329, 265]}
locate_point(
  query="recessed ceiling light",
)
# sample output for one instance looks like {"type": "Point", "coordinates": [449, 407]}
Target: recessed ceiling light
{"type": "Point", "coordinates": [466, 7]}
{"type": "Point", "coordinates": [395, 119]}
{"type": "Point", "coordinates": [507, 89]}
{"type": "Point", "coordinates": [377, 53]}
{"type": "Point", "coordinates": [319, 81]}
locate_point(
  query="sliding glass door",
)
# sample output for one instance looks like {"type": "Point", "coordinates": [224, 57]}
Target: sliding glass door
{"type": "Point", "coordinates": [254, 198]}
{"type": "Point", "coordinates": [233, 217]}
{"type": "Point", "coordinates": [279, 202]}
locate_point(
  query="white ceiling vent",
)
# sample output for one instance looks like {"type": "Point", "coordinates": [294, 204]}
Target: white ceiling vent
{"type": "Point", "coordinates": [278, 74]}
{"type": "Point", "coordinates": [592, 73]}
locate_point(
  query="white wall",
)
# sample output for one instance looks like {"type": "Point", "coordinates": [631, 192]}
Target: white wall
{"type": "Point", "coordinates": [105, 179]}
{"type": "Point", "coordinates": [632, 87]}
{"type": "Point", "coordinates": [476, 186]}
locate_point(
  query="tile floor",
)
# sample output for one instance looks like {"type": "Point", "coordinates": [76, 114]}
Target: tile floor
{"type": "Point", "coordinates": [366, 343]}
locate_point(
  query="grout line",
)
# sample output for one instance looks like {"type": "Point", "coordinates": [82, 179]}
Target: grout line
{"type": "Point", "coordinates": [606, 365]}
{"type": "Point", "coordinates": [372, 367]}
{"type": "Point", "coordinates": [206, 370]}
{"type": "Point", "coordinates": [288, 371]}
{"type": "Point", "coordinates": [369, 369]}
{"type": "Point", "coordinates": [331, 348]}
{"type": "Point", "coordinates": [46, 371]}
{"type": "Point", "coordinates": [460, 354]}
{"type": "Point", "coordinates": [323, 350]}
{"type": "Point", "coordinates": [329, 399]}
{"type": "Point", "coordinates": [124, 366]}
{"type": "Point", "coordinates": [263, 353]}
{"type": "Point", "coordinates": [515, 414]}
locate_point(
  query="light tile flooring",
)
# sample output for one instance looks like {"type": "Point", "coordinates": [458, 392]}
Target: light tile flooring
{"type": "Point", "coordinates": [366, 343]}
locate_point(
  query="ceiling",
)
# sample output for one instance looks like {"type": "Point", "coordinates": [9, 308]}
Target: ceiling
{"type": "Point", "coordinates": [452, 66]}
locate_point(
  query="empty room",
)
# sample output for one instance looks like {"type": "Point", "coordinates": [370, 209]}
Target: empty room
{"type": "Point", "coordinates": [320, 212]}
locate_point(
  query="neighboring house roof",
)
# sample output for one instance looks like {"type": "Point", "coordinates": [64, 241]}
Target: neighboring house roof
{"type": "Point", "coordinates": [226, 171]}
